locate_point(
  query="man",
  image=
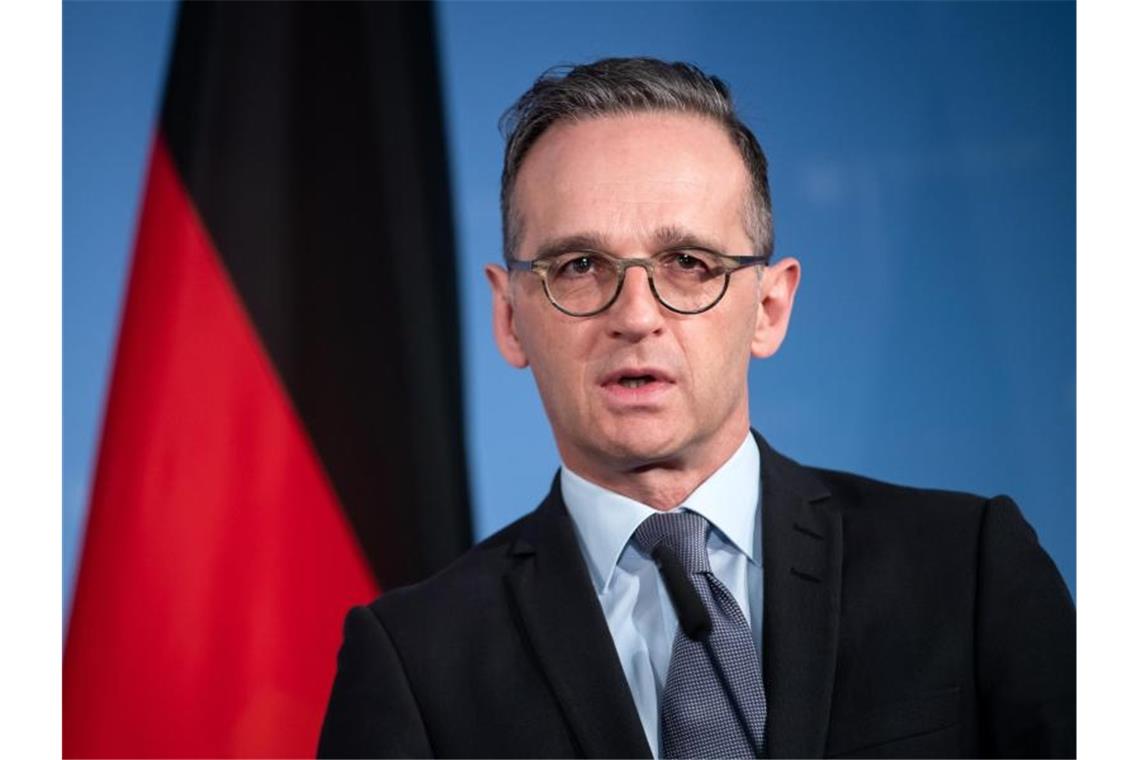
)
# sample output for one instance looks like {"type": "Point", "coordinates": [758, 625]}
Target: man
{"type": "Point", "coordinates": [684, 590]}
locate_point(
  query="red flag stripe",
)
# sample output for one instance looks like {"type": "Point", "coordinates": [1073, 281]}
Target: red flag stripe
{"type": "Point", "coordinates": [217, 563]}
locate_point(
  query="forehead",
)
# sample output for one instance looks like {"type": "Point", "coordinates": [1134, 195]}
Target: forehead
{"type": "Point", "coordinates": [624, 178]}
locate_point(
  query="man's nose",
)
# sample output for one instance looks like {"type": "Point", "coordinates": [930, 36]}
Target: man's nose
{"type": "Point", "coordinates": [636, 313]}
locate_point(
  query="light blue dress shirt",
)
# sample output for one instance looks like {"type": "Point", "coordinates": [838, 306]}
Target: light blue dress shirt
{"type": "Point", "coordinates": [633, 597]}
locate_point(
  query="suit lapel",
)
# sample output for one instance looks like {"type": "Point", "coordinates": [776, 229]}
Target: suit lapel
{"type": "Point", "coordinates": [802, 556]}
{"type": "Point", "coordinates": [561, 617]}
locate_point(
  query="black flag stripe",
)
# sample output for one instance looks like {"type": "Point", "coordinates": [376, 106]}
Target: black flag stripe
{"type": "Point", "coordinates": [310, 137]}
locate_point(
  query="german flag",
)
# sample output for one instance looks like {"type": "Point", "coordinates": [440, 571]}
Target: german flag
{"type": "Point", "coordinates": [283, 435]}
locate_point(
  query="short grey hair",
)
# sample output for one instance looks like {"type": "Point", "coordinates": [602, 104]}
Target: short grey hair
{"type": "Point", "coordinates": [620, 86]}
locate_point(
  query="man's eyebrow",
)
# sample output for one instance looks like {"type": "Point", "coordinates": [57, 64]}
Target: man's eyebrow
{"type": "Point", "coordinates": [672, 236]}
{"type": "Point", "coordinates": [669, 237]}
{"type": "Point", "coordinates": [582, 241]}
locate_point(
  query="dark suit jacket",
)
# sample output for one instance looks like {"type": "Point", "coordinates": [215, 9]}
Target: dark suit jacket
{"type": "Point", "coordinates": [897, 622]}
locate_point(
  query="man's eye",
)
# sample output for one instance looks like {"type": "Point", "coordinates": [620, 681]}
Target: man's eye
{"type": "Point", "coordinates": [577, 266]}
{"type": "Point", "coordinates": [686, 262]}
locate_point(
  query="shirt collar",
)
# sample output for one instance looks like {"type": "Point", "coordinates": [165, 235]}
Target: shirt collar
{"type": "Point", "coordinates": [605, 520]}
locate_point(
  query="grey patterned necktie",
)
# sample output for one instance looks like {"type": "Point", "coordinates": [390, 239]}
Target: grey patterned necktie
{"type": "Point", "coordinates": [698, 717]}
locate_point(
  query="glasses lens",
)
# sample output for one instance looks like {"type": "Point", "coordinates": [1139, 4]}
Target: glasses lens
{"type": "Point", "coordinates": [689, 280]}
{"type": "Point", "coordinates": [582, 282]}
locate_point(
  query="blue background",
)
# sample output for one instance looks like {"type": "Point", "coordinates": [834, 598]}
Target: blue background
{"type": "Point", "coordinates": [922, 162]}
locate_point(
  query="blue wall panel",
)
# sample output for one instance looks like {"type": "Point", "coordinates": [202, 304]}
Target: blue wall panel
{"type": "Point", "coordinates": [114, 60]}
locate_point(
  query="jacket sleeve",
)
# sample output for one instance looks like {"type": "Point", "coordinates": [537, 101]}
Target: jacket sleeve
{"type": "Point", "coordinates": [372, 711]}
{"type": "Point", "coordinates": [1026, 642]}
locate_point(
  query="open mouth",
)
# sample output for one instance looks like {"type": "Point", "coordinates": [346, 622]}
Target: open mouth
{"type": "Point", "coordinates": [635, 381]}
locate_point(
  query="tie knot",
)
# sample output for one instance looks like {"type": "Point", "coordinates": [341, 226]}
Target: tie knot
{"type": "Point", "coordinates": [685, 533]}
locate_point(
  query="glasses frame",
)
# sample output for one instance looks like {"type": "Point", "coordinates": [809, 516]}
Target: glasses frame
{"type": "Point", "coordinates": [541, 267]}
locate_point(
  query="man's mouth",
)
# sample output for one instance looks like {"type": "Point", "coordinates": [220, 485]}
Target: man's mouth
{"type": "Point", "coordinates": [638, 385]}
{"type": "Point", "coordinates": [636, 382]}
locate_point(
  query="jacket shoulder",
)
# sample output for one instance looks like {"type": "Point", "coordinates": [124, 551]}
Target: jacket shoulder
{"type": "Point", "coordinates": [859, 492]}
{"type": "Point", "coordinates": [464, 592]}
{"type": "Point", "coordinates": [861, 497]}
{"type": "Point", "coordinates": [924, 525]}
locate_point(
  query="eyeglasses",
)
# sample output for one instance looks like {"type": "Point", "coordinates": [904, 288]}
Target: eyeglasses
{"type": "Point", "coordinates": [585, 283]}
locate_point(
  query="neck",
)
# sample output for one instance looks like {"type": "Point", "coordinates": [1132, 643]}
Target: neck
{"type": "Point", "coordinates": [663, 484]}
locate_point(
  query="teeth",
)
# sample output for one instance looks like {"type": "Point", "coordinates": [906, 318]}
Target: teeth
{"type": "Point", "coordinates": [634, 382]}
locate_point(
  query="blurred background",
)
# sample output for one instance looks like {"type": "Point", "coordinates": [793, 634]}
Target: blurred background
{"type": "Point", "coordinates": [922, 163]}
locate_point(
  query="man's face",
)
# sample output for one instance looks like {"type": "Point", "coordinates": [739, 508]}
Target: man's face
{"type": "Point", "coordinates": [635, 185]}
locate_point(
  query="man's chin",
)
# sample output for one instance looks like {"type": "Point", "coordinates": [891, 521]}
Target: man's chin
{"type": "Point", "coordinates": [635, 447]}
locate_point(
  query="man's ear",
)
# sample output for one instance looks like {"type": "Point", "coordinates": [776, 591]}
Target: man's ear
{"type": "Point", "coordinates": [503, 316]}
{"type": "Point", "coordinates": [777, 294]}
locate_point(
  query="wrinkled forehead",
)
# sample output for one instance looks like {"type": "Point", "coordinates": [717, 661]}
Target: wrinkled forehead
{"type": "Point", "coordinates": [627, 178]}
